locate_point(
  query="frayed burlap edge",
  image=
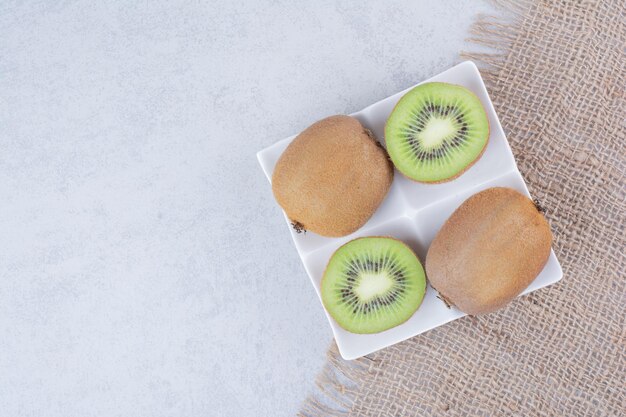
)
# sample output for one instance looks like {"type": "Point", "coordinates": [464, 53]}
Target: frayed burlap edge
{"type": "Point", "coordinates": [336, 386]}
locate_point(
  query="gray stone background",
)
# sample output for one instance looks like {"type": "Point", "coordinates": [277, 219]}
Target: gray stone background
{"type": "Point", "coordinates": [145, 269]}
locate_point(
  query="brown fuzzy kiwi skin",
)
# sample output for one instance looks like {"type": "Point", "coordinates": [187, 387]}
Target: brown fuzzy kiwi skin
{"type": "Point", "coordinates": [367, 237]}
{"type": "Point", "coordinates": [491, 248]}
{"type": "Point", "coordinates": [332, 177]}
{"type": "Point", "coordinates": [482, 151]}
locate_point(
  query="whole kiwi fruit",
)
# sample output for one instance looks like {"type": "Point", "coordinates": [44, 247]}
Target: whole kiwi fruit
{"type": "Point", "coordinates": [332, 177]}
{"type": "Point", "coordinates": [491, 248]}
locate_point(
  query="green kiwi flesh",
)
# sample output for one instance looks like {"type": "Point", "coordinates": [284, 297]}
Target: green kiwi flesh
{"type": "Point", "coordinates": [436, 131]}
{"type": "Point", "coordinates": [372, 284]}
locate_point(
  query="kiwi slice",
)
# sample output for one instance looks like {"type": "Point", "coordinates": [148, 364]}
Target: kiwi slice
{"type": "Point", "coordinates": [372, 284]}
{"type": "Point", "coordinates": [436, 132]}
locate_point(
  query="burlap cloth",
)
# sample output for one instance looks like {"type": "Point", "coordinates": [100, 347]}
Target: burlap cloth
{"type": "Point", "coordinates": [557, 82]}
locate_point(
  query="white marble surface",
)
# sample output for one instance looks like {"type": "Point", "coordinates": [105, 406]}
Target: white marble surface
{"type": "Point", "coordinates": [145, 269]}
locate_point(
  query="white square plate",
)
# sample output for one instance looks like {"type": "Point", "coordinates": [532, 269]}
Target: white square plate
{"type": "Point", "coordinates": [413, 213]}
